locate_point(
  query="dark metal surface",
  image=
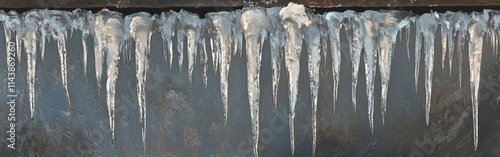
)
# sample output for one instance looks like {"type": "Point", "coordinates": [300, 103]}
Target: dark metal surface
{"type": "Point", "coordinates": [237, 3]}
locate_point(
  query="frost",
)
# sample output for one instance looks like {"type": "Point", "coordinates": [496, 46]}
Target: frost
{"type": "Point", "coordinates": [254, 26]}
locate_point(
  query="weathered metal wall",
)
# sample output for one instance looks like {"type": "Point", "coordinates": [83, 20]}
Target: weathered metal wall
{"type": "Point", "coordinates": [237, 3]}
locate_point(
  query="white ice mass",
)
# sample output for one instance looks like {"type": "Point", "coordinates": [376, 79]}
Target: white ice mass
{"type": "Point", "coordinates": [218, 39]}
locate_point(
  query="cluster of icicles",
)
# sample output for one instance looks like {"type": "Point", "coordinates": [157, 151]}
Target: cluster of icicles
{"type": "Point", "coordinates": [286, 28]}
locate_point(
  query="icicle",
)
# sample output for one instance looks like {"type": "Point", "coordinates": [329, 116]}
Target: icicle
{"type": "Point", "coordinates": [205, 61]}
{"type": "Point", "coordinates": [476, 34]}
{"type": "Point", "coordinates": [181, 33]}
{"type": "Point", "coordinates": [167, 22]}
{"type": "Point", "coordinates": [10, 24]}
{"type": "Point", "coordinates": [408, 34]}
{"type": "Point", "coordinates": [31, 22]}
{"type": "Point", "coordinates": [334, 23]}
{"type": "Point", "coordinates": [445, 26]}
{"type": "Point", "coordinates": [254, 27]}
{"type": "Point", "coordinates": [448, 19]}
{"type": "Point", "coordinates": [141, 31]}
{"type": "Point", "coordinates": [82, 21]}
{"type": "Point", "coordinates": [222, 26]}
{"type": "Point", "coordinates": [461, 28]}
{"type": "Point", "coordinates": [495, 31]}
{"type": "Point", "coordinates": [294, 18]}
{"type": "Point", "coordinates": [99, 44]}
{"type": "Point", "coordinates": [237, 33]}
{"type": "Point", "coordinates": [276, 44]}
{"type": "Point", "coordinates": [426, 25]}
{"type": "Point", "coordinates": [114, 41]}
{"type": "Point", "coordinates": [57, 26]}
{"type": "Point", "coordinates": [191, 24]}
{"type": "Point", "coordinates": [214, 46]}
{"type": "Point", "coordinates": [314, 58]}
{"type": "Point", "coordinates": [370, 59]}
{"type": "Point", "coordinates": [355, 36]}
{"type": "Point", "coordinates": [389, 27]}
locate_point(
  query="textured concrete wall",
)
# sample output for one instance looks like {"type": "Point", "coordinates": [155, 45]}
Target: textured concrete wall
{"type": "Point", "coordinates": [186, 119]}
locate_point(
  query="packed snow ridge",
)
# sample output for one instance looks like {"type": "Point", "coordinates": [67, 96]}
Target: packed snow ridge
{"type": "Point", "coordinates": [372, 36]}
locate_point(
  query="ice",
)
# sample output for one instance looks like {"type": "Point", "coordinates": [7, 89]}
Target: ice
{"type": "Point", "coordinates": [141, 31]}
{"type": "Point", "coordinates": [494, 31]}
{"type": "Point", "coordinates": [204, 58]}
{"type": "Point", "coordinates": [314, 58]}
{"type": "Point", "coordinates": [11, 23]}
{"type": "Point", "coordinates": [222, 25]}
{"type": "Point", "coordinates": [167, 22]}
{"type": "Point", "coordinates": [115, 39]}
{"type": "Point", "coordinates": [447, 29]}
{"type": "Point", "coordinates": [294, 18]}
{"type": "Point", "coordinates": [370, 59]}
{"type": "Point", "coordinates": [461, 28]}
{"type": "Point", "coordinates": [57, 28]}
{"type": "Point", "coordinates": [191, 23]}
{"type": "Point", "coordinates": [388, 31]}
{"type": "Point", "coordinates": [82, 21]}
{"type": "Point", "coordinates": [426, 27]}
{"type": "Point", "coordinates": [476, 33]}
{"type": "Point", "coordinates": [355, 35]}
{"type": "Point", "coordinates": [254, 26]}
{"type": "Point", "coordinates": [30, 24]}
{"type": "Point", "coordinates": [334, 23]}
{"type": "Point", "coordinates": [276, 36]}
{"type": "Point", "coordinates": [99, 44]}
{"type": "Point", "coordinates": [223, 33]}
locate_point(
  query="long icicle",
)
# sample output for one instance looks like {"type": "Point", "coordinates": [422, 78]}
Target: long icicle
{"type": "Point", "coordinates": [255, 31]}
{"type": "Point", "coordinates": [334, 23]}
{"type": "Point", "coordinates": [427, 25]}
{"type": "Point", "coordinates": [294, 18]}
{"type": "Point", "coordinates": [476, 34]}
{"type": "Point", "coordinates": [355, 35]}
{"type": "Point", "coordinates": [275, 40]}
{"type": "Point", "coordinates": [314, 58]}
{"type": "Point", "coordinates": [370, 59]}
{"type": "Point", "coordinates": [31, 23]}
{"type": "Point", "coordinates": [141, 31]}
{"type": "Point", "coordinates": [114, 42]}
{"type": "Point", "coordinates": [58, 30]}
{"type": "Point", "coordinates": [222, 26]}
